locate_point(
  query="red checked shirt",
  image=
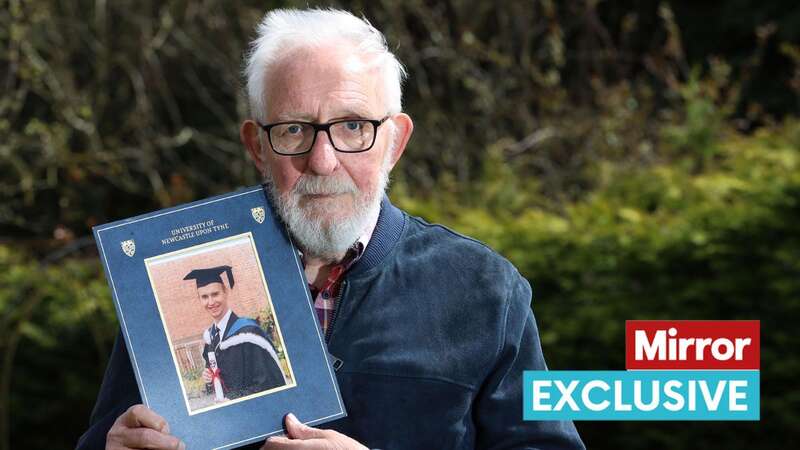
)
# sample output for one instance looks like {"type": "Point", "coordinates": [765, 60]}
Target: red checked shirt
{"type": "Point", "coordinates": [325, 297]}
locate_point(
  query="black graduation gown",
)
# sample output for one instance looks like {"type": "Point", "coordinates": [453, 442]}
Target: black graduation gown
{"type": "Point", "coordinates": [246, 359]}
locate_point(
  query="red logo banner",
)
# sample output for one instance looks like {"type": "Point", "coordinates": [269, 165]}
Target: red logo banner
{"type": "Point", "coordinates": [692, 344]}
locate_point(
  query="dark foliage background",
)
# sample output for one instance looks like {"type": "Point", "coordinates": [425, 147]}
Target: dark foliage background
{"type": "Point", "coordinates": [633, 159]}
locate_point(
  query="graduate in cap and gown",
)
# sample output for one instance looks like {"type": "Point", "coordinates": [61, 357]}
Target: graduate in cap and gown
{"type": "Point", "coordinates": [245, 357]}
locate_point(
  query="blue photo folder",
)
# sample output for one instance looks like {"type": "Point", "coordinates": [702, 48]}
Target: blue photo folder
{"type": "Point", "coordinates": [167, 327]}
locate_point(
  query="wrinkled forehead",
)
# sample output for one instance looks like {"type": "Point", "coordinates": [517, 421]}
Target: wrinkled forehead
{"type": "Point", "coordinates": [329, 77]}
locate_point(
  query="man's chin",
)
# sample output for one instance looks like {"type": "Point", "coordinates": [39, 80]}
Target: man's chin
{"type": "Point", "coordinates": [327, 233]}
{"type": "Point", "coordinates": [327, 222]}
{"type": "Point", "coordinates": [327, 209]}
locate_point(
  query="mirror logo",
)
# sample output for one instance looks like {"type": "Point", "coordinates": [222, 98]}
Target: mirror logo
{"type": "Point", "coordinates": [676, 370]}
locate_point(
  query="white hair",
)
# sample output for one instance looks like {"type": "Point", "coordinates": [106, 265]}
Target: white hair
{"type": "Point", "coordinates": [283, 30]}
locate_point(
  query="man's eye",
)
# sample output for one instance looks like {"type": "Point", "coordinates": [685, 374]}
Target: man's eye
{"type": "Point", "coordinates": [294, 129]}
{"type": "Point", "coordinates": [353, 126]}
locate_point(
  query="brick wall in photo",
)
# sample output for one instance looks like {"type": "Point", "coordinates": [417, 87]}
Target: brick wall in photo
{"type": "Point", "coordinates": [184, 316]}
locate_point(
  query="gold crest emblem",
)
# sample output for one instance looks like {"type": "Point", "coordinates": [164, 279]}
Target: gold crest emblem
{"type": "Point", "coordinates": [128, 247]}
{"type": "Point", "coordinates": [258, 214]}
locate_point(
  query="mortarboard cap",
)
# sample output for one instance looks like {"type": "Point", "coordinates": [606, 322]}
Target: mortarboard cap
{"type": "Point", "coordinates": [210, 275]}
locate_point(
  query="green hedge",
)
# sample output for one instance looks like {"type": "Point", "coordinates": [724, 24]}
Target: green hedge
{"type": "Point", "coordinates": [58, 325]}
{"type": "Point", "coordinates": [699, 238]}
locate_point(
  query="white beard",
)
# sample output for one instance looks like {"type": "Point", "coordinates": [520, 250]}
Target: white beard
{"type": "Point", "coordinates": [311, 225]}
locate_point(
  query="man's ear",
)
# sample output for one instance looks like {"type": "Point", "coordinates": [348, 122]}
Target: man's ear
{"type": "Point", "coordinates": [248, 133]}
{"type": "Point", "coordinates": [403, 129]}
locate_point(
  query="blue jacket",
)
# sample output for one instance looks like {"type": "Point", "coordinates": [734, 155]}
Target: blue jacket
{"type": "Point", "coordinates": [432, 333]}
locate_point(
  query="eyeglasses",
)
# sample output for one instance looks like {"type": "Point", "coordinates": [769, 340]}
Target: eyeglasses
{"type": "Point", "coordinates": [347, 135]}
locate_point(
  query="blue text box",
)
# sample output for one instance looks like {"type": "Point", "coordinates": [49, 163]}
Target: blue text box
{"type": "Point", "coordinates": [629, 395]}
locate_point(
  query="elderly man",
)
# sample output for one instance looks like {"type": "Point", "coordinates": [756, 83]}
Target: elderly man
{"type": "Point", "coordinates": [433, 330]}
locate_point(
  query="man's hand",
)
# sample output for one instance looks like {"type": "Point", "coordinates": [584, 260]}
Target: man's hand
{"type": "Point", "coordinates": [140, 427]}
{"type": "Point", "coordinates": [304, 437]}
{"type": "Point", "coordinates": [207, 375]}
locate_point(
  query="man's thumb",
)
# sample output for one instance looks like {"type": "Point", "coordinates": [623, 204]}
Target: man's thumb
{"type": "Point", "coordinates": [297, 430]}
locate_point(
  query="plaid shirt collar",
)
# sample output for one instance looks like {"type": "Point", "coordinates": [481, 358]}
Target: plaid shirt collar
{"type": "Point", "coordinates": [325, 296]}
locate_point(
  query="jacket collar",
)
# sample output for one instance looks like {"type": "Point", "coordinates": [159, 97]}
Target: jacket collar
{"type": "Point", "coordinates": [391, 222]}
{"type": "Point", "coordinates": [232, 318]}
{"type": "Point", "coordinates": [222, 325]}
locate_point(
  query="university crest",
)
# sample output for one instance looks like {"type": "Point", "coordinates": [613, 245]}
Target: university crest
{"type": "Point", "coordinates": [258, 214]}
{"type": "Point", "coordinates": [129, 247]}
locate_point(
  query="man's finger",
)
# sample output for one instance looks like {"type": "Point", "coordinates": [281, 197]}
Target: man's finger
{"type": "Point", "coordinates": [296, 430]}
{"type": "Point", "coordinates": [280, 443]}
{"type": "Point", "coordinates": [141, 416]}
{"type": "Point", "coordinates": [152, 439]}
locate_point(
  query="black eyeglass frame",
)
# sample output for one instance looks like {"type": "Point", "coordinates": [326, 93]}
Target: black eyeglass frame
{"type": "Point", "coordinates": [322, 127]}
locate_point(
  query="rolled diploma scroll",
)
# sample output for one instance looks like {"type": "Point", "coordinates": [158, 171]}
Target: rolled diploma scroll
{"type": "Point", "coordinates": [215, 377]}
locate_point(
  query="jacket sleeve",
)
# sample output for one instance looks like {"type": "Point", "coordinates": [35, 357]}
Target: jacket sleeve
{"type": "Point", "coordinates": [117, 393]}
{"type": "Point", "coordinates": [498, 406]}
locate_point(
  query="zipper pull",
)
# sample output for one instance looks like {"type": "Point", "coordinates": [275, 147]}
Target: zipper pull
{"type": "Point", "coordinates": [335, 362]}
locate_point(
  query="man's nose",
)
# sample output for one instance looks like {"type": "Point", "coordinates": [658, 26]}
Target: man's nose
{"type": "Point", "coordinates": [322, 159]}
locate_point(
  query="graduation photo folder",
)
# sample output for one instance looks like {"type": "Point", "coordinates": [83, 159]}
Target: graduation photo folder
{"type": "Point", "coordinates": [214, 307]}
